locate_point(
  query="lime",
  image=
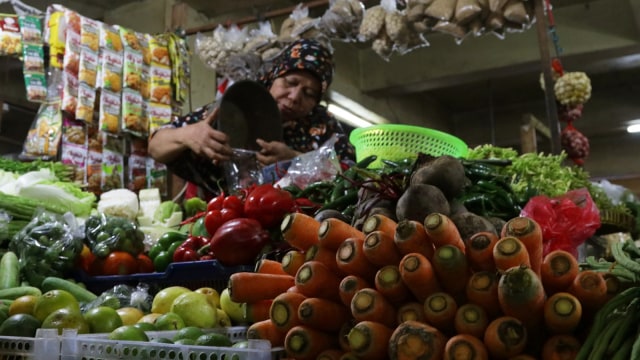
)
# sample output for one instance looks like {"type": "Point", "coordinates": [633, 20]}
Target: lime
{"type": "Point", "coordinates": [214, 339]}
{"type": "Point", "coordinates": [185, 342]}
{"type": "Point", "coordinates": [169, 321]}
{"type": "Point", "coordinates": [102, 319]}
{"type": "Point", "coordinates": [146, 326]}
{"type": "Point", "coordinates": [23, 325]}
{"type": "Point", "coordinates": [188, 332]}
{"type": "Point", "coordinates": [128, 333]}
{"type": "Point", "coordinates": [130, 315]}
{"type": "Point", "coordinates": [23, 305]}
{"type": "Point", "coordinates": [162, 340]}
{"type": "Point", "coordinates": [66, 318]}
{"type": "Point", "coordinates": [244, 344]}
{"type": "Point", "coordinates": [53, 300]}
{"type": "Point", "coordinates": [149, 318]}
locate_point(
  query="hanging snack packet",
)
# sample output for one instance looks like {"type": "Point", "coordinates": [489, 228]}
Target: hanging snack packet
{"type": "Point", "coordinates": [55, 35]}
{"type": "Point", "coordinates": [132, 119]}
{"type": "Point", "coordinates": [33, 57]}
{"type": "Point", "coordinates": [31, 29]}
{"type": "Point", "coordinates": [36, 86]}
{"type": "Point", "coordinates": [157, 174]}
{"type": "Point", "coordinates": [110, 106]}
{"type": "Point", "coordinates": [160, 89]}
{"type": "Point", "coordinates": [112, 162]}
{"type": "Point", "coordinates": [94, 159]}
{"type": "Point", "coordinates": [137, 165]}
{"type": "Point", "coordinates": [43, 138]}
{"type": "Point", "coordinates": [74, 147]}
{"type": "Point", "coordinates": [10, 38]}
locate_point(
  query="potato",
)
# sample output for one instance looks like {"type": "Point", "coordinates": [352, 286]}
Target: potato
{"type": "Point", "coordinates": [445, 172]}
{"type": "Point", "coordinates": [420, 200]}
{"type": "Point", "coordinates": [469, 224]}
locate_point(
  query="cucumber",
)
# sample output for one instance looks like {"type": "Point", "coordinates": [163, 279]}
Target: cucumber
{"type": "Point", "coordinates": [15, 292]}
{"type": "Point", "coordinates": [9, 270]}
{"type": "Point", "coordinates": [79, 292]}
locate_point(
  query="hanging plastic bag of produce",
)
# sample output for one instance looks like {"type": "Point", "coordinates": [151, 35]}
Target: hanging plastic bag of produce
{"type": "Point", "coordinates": [566, 221]}
{"type": "Point", "coordinates": [317, 165]}
{"type": "Point", "coordinates": [48, 246]}
{"type": "Point", "coordinates": [106, 234]}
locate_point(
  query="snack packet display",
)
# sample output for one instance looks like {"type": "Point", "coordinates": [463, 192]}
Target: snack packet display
{"type": "Point", "coordinates": [74, 147]}
{"type": "Point", "coordinates": [10, 38]}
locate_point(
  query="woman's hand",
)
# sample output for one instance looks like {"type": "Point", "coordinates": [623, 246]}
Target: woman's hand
{"type": "Point", "coordinates": [206, 141]}
{"type": "Point", "coordinates": [274, 151]}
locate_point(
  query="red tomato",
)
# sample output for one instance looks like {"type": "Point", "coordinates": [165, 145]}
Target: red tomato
{"type": "Point", "coordinates": [234, 203]}
{"type": "Point", "coordinates": [145, 264]}
{"type": "Point", "coordinates": [268, 204]}
{"type": "Point", "coordinates": [216, 202]}
{"type": "Point", "coordinates": [228, 214]}
{"type": "Point", "coordinates": [119, 263]}
{"type": "Point", "coordinates": [213, 220]}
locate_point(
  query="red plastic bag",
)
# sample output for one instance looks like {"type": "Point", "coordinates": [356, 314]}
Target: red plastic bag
{"type": "Point", "coordinates": [566, 221]}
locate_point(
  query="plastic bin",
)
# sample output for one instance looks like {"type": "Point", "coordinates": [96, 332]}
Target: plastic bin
{"type": "Point", "coordinates": [44, 346]}
{"type": "Point", "coordinates": [192, 275]}
{"type": "Point", "coordinates": [99, 347]}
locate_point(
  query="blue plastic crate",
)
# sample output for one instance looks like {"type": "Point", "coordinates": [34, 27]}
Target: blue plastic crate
{"type": "Point", "coordinates": [192, 275]}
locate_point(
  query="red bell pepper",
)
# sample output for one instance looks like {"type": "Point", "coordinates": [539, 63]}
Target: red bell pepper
{"type": "Point", "coordinates": [268, 204]}
{"type": "Point", "coordinates": [188, 250]}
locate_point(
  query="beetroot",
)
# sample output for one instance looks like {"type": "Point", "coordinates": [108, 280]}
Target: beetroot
{"type": "Point", "coordinates": [239, 241]}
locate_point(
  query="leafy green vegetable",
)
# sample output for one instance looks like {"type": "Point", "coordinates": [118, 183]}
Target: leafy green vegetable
{"type": "Point", "coordinates": [166, 210]}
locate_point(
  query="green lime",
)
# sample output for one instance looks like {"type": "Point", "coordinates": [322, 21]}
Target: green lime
{"type": "Point", "coordinates": [244, 344]}
{"type": "Point", "coordinates": [188, 332]}
{"type": "Point", "coordinates": [128, 333]}
{"type": "Point", "coordinates": [214, 339]}
{"type": "Point", "coordinates": [102, 319]}
{"type": "Point", "coordinates": [66, 319]}
{"type": "Point", "coordinates": [146, 326]}
{"type": "Point", "coordinates": [185, 342]}
{"type": "Point", "coordinates": [162, 340]}
{"type": "Point", "coordinates": [53, 300]}
{"type": "Point", "coordinates": [23, 325]}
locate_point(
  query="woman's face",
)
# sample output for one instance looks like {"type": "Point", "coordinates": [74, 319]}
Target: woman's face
{"type": "Point", "coordinates": [296, 93]}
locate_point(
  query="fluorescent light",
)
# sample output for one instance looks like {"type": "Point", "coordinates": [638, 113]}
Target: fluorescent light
{"type": "Point", "coordinates": [633, 128]}
{"type": "Point", "coordinates": [355, 108]}
{"type": "Point", "coordinates": [347, 116]}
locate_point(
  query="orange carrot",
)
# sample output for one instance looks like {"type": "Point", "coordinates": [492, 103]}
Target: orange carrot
{"type": "Point", "coordinates": [245, 287]}
{"type": "Point", "coordinates": [389, 283]}
{"type": "Point", "coordinates": [480, 251]}
{"type": "Point", "coordinates": [369, 304]}
{"type": "Point", "coordinates": [505, 337]}
{"type": "Point", "coordinates": [452, 270]}
{"type": "Point", "coordinates": [300, 230]}
{"type": "Point", "coordinates": [314, 279]}
{"type": "Point", "coordinates": [523, 357]}
{"type": "Point", "coordinates": [411, 310]}
{"type": "Point", "coordinates": [443, 231]}
{"type": "Point", "coordinates": [379, 222]}
{"type": "Point", "coordinates": [350, 356]}
{"type": "Point", "coordinates": [330, 354]}
{"type": "Point", "coordinates": [440, 311]}
{"type": "Point", "coordinates": [522, 296]}
{"type": "Point", "coordinates": [325, 256]}
{"type": "Point", "coordinates": [305, 343]}
{"type": "Point", "coordinates": [369, 340]}
{"type": "Point", "coordinates": [343, 333]}
{"type": "Point", "coordinates": [322, 314]}
{"type": "Point", "coordinates": [418, 275]}
{"type": "Point", "coordinates": [380, 249]}
{"type": "Point", "coordinates": [562, 313]}
{"type": "Point", "coordinates": [348, 287]}
{"type": "Point", "coordinates": [416, 340]}
{"type": "Point", "coordinates": [591, 289]}
{"type": "Point", "coordinates": [291, 261]}
{"type": "Point", "coordinates": [560, 347]}
{"type": "Point", "coordinates": [258, 311]}
{"type": "Point", "coordinates": [465, 346]}
{"type": "Point", "coordinates": [558, 270]}
{"type": "Point", "coordinates": [508, 252]}
{"type": "Point", "coordinates": [351, 260]}
{"type": "Point", "coordinates": [333, 232]}
{"type": "Point", "coordinates": [471, 319]}
{"type": "Point", "coordinates": [284, 310]}
{"type": "Point", "coordinates": [482, 289]}
{"type": "Point", "coordinates": [266, 330]}
{"type": "Point", "coordinates": [267, 266]}
{"type": "Point", "coordinates": [410, 237]}
{"type": "Point", "coordinates": [530, 233]}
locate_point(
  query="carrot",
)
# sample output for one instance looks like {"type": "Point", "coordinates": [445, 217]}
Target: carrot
{"type": "Point", "coordinates": [305, 343]}
{"type": "Point", "coordinates": [349, 285]}
{"type": "Point", "coordinates": [323, 255]}
{"type": "Point", "coordinates": [440, 311]}
{"type": "Point", "coordinates": [333, 232]}
{"type": "Point", "coordinates": [508, 252]}
{"type": "Point", "coordinates": [350, 356]}
{"type": "Point", "coordinates": [480, 251]}
{"type": "Point", "coordinates": [284, 310]}
{"type": "Point", "coordinates": [266, 330]}
{"type": "Point", "coordinates": [505, 337]}
{"type": "Point", "coordinates": [522, 296]}
{"type": "Point", "coordinates": [343, 339]}
{"type": "Point", "coordinates": [322, 314]}
{"type": "Point", "coordinates": [314, 279]}
{"type": "Point", "coordinates": [380, 249]}
{"type": "Point", "coordinates": [291, 261]}
{"type": "Point", "coordinates": [246, 287]}
{"type": "Point", "coordinates": [523, 357]}
{"type": "Point", "coordinates": [557, 271]}
{"type": "Point", "coordinates": [370, 305]}
{"type": "Point", "coordinates": [562, 313]}
{"type": "Point", "coordinates": [389, 283]}
{"type": "Point", "coordinates": [443, 231]}
{"type": "Point", "coordinates": [590, 288]}
{"type": "Point", "coordinates": [411, 310]}
{"type": "Point", "coordinates": [369, 340]}
{"type": "Point", "coordinates": [418, 275]}
{"type": "Point", "coordinates": [465, 346]}
{"type": "Point", "coordinates": [471, 319]}
{"type": "Point", "coordinates": [267, 266]}
{"type": "Point", "coordinates": [300, 230]}
{"type": "Point", "coordinates": [530, 233]}
{"type": "Point", "coordinates": [482, 289]}
{"type": "Point", "coordinates": [416, 340]}
{"type": "Point", "coordinates": [560, 347]}
{"type": "Point", "coordinates": [351, 260]}
{"type": "Point", "coordinates": [452, 270]}
{"type": "Point", "coordinates": [258, 311]}
{"type": "Point", "coordinates": [379, 222]}
{"type": "Point", "coordinates": [410, 237]}
{"type": "Point", "coordinates": [330, 354]}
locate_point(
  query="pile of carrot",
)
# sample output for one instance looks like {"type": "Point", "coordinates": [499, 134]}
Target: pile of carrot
{"type": "Point", "coordinates": [412, 290]}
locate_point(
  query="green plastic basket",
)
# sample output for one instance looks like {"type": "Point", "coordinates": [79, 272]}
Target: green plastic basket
{"type": "Point", "coordinates": [397, 142]}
